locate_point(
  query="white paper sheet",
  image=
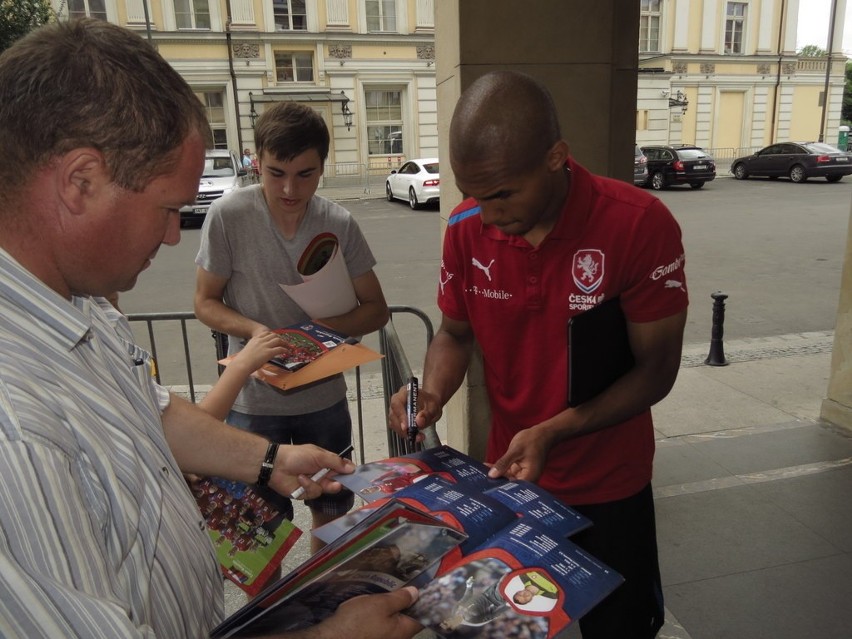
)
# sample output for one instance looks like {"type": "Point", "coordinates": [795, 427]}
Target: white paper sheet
{"type": "Point", "coordinates": [328, 292]}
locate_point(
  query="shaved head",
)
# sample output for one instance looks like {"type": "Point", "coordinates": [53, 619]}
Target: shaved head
{"type": "Point", "coordinates": [504, 112]}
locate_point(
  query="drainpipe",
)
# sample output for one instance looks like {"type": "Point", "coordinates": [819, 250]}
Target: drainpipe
{"type": "Point", "coordinates": [778, 74]}
{"type": "Point", "coordinates": [827, 70]}
{"type": "Point", "coordinates": [233, 77]}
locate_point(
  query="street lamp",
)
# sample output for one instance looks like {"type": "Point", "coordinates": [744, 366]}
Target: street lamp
{"type": "Point", "coordinates": [252, 112]}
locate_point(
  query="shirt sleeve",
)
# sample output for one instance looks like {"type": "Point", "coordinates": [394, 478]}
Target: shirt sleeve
{"type": "Point", "coordinates": [54, 583]}
{"type": "Point", "coordinates": [214, 254]}
{"type": "Point", "coordinates": [657, 287]}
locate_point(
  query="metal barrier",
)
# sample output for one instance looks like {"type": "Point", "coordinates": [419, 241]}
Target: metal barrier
{"type": "Point", "coordinates": [396, 371]}
{"type": "Point", "coordinates": [730, 153]}
{"type": "Point", "coordinates": [346, 175]}
{"type": "Point", "coordinates": [182, 317]}
{"type": "Point", "coordinates": [394, 366]}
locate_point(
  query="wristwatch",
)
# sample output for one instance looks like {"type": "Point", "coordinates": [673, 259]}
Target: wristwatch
{"type": "Point", "coordinates": [267, 465]}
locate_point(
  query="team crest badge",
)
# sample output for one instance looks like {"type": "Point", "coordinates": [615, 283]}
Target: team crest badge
{"type": "Point", "coordinates": [588, 269]}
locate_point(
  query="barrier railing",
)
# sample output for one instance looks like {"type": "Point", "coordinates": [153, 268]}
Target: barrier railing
{"type": "Point", "coordinates": [346, 175]}
{"type": "Point", "coordinates": [395, 369]}
{"type": "Point", "coordinates": [182, 317]}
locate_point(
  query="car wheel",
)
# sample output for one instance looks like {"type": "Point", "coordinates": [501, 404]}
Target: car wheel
{"type": "Point", "coordinates": [833, 178]}
{"type": "Point", "coordinates": [412, 199]}
{"type": "Point", "coordinates": [658, 181]}
{"type": "Point", "coordinates": [696, 185]}
{"type": "Point", "coordinates": [797, 173]}
{"type": "Point", "coordinates": [388, 192]}
{"type": "Point", "coordinates": [740, 172]}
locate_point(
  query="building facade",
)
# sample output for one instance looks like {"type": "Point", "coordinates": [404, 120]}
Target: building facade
{"type": "Point", "coordinates": [366, 65]}
{"type": "Point", "coordinates": [723, 75]}
{"type": "Point", "coordinates": [726, 75]}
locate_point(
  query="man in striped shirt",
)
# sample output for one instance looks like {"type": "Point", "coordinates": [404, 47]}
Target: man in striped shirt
{"type": "Point", "coordinates": [99, 536]}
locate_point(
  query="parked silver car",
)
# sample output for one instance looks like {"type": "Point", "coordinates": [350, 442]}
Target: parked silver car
{"type": "Point", "coordinates": [223, 172]}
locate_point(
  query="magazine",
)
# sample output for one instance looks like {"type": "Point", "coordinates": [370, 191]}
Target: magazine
{"type": "Point", "coordinates": [491, 557]}
{"type": "Point", "coordinates": [250, 535]}
{"type": "Point", "coordinates": [381, 553]}
{"type": "Point", "coordinates": [314, 352]}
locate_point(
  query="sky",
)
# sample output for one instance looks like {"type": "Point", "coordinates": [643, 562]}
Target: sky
{"type": "Point", "coordinates": [814, 17]}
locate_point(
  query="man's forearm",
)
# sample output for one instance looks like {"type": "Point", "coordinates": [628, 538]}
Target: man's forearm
{"type": "Point", "coordinates": [446, 365]}
{"type": "Point", "coordinates": [204, 445]}
{"type": "Point", "coordinates": [364, 319]}
{"type": "Point", "coordinates": [630, 395]}
{"type": "Point", "coordinates": [222, 318]}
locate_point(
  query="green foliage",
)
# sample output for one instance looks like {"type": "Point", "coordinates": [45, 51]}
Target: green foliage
{"type": "Point", "coordinates": [812, 51]}
{"type": "Point", "coordinates": [846, 109]}
{"type": "Point", "coordinates": [19, 17]}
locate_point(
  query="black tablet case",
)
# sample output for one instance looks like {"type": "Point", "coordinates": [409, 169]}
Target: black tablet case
{"type": "Point", "coordinates": [598, 351]}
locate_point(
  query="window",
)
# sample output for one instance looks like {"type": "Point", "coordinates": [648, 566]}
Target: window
{"type": "Point", "coordinates": [649, 26]}
{"type": "Point", "coordinates": [735, 26]}
{"type": "Point", "coordinates": [290, 15]}
{"type": "Point", "coordinates": [192, 14]}
{"type": "Point", "coordinates": [383, 111]}
{"type": "Point", "coordinates": [294, 67]}
{"type": "Point", "coordinates": [214, 104]}
{"type": "Point", "coordinates": [87, 9]}
{"type": "Point", "coordinates": [381, 15]}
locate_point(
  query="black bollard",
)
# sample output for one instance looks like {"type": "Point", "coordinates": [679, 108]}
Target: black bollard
{"type": "Point", "coordinates": [717, 350]}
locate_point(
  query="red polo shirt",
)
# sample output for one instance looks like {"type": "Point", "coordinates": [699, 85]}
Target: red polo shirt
{"type": "Point", "coordinates": [612, 239]}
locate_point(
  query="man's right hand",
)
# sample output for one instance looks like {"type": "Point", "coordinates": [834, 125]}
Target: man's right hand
{"type": "Point", "coordinates": [429, 411]}
{"type": "Point", "coordinates": [372, 617]}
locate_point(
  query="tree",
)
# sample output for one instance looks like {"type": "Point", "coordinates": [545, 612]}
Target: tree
{"type": "Point", "coordinates": [812, 51]}
{"type": "Point", "coordinates": [19, 17]}
{"type": "Point", "coordinates": [846, 111]}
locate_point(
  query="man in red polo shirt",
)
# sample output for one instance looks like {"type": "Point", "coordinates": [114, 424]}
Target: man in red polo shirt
{"type": "Point", "coordinates": [538, 241]}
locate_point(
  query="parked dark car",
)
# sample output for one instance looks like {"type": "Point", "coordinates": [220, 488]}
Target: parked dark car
{"type": "Point", "coordinates": [640, 167]}
{"type": "Point", "coordinates": [678, 164]}
{"type": "Point", "coordinates": [796, 160]}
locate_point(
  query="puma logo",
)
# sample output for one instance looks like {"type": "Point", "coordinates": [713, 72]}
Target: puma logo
{"type": "Point", "coordinates": [673, 284]}
{"type": "Point", "coordinates": [482, 267]}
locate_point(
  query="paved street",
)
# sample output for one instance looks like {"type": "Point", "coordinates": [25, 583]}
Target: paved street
{"type": "Point", "coordinates": [774, 247]}
{"type": "Point", "coordinates": [750, 487]}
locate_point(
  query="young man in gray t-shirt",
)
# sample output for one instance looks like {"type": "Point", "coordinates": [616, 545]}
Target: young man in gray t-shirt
{"type": "Point", "coordinates": [251, 242]}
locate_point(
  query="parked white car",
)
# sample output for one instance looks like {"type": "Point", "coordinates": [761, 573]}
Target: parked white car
{"type": "Point", "coordinates": [416, 181]}
{"type": "Point", "coordinates": [223, 172]}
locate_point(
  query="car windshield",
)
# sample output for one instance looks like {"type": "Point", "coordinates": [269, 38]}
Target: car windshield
{"type": "Point", "coordinates": [819, 147]}
{"type": "Point", "coordinates": [218, 167]}
{"type": "Point", "coordinates": [432, 167]}
{"type": "Point", "coordinates": [692, 154]}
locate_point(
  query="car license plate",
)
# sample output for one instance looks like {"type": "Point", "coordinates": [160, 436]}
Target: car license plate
{"type": "Point", "coordinates": [699, 167]}
{"type": "Point", "coordinates": [198, 210]}
{"type": "Point", "coordinates": [842, 159]}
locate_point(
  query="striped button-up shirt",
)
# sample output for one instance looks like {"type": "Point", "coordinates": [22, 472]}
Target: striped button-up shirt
{"type": "Point", "coordinates": [99, 534]}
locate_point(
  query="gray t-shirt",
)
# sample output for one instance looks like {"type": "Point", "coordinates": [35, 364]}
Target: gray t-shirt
{"type": "Point", "coordinates": [240, 241]}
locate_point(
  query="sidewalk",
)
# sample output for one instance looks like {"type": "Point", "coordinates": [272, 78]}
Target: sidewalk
{"type": "Point", "coordinates": [377, 189]}
{"type": "Point", "coordinates": [752, 494]}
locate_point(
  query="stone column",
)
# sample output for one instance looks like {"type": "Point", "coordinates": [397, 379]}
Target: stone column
{"type": "Point", "coordinates": [837, 406]}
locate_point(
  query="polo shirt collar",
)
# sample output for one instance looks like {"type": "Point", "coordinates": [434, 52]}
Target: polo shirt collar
{"type": "Point", "coordinates": [577, 208]}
